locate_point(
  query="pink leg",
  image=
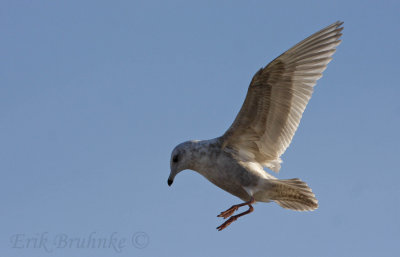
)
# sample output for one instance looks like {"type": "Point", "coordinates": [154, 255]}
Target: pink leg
{"type": "Point", "coordinates": [231, 210]}
{"type": "Point", "coordinates": [234, 218]}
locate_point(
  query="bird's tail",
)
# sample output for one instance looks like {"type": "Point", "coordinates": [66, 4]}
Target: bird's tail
{"type": "Point", "coordinates": [292, 194]}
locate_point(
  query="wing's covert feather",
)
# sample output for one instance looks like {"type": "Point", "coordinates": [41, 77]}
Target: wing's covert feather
{"type": "Point", "coordinates": [277, 97]}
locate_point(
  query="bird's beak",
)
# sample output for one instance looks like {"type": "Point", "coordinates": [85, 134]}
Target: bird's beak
{"type": "Point", "coordinates": [171, 177]}
{"type": "Point", "coordinates": [170, 181]}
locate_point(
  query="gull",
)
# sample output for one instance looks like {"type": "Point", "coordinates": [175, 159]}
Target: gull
{"type": "Point", "coordinates": [263, 130]}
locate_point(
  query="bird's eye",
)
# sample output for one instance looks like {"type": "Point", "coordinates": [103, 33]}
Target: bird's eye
{"type": "Point", "coordinates": [175, 159]}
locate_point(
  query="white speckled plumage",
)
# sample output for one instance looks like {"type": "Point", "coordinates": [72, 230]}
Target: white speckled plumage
{"type": "Point", "coordinates": [263, 129]}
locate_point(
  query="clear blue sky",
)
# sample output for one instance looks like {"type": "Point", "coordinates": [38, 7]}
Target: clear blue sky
{"type": "Point", "coordinates": [94, 95]}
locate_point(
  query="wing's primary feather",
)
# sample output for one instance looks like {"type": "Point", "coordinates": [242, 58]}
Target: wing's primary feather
{"type": "Point", "coordinates": [277, 97]}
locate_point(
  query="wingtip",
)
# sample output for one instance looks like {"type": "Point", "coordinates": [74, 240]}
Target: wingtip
{"type": "Point", "coordinates": [339, 23]}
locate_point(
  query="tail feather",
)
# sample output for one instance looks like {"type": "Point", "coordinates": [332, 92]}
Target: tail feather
{"type": "Point", "coordinates": [293, 194]}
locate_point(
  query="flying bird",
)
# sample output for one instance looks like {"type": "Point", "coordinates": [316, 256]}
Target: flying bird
{"type": "Point", "coordinates": [263, 130]}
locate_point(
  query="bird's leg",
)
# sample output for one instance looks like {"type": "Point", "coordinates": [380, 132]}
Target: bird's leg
{"type": "Point", "coordinates": [233, 218]}
{"type": "Point", "coordinates": [230, 211]}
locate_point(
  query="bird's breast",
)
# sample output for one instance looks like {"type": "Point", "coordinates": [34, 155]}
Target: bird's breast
{"type": "Point", "coordinates": [225, 172]}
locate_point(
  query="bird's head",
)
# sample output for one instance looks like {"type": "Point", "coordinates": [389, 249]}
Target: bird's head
{"type": "Point", "coordinates": [181, 159]}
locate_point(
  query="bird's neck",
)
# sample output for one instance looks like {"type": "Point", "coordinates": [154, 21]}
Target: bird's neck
{"type": "Point", "coordinates": [202, 153]}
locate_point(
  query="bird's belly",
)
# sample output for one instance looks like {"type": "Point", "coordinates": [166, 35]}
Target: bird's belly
{"type": "Point", "coordinates": [225, 172]}
{"type": "Point", "coordinates": [232, 182]}
{"type": "Point", "coordinates": [234, 189]}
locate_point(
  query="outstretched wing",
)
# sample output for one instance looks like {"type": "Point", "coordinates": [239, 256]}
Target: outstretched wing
{"type": "Point", "coordinates": [277, 97]}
